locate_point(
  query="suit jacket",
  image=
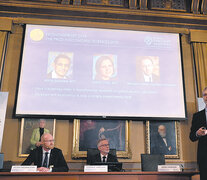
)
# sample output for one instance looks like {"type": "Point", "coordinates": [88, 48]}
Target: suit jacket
{"type": "Point", "coordinates": [56, 159]}
{"type": "Point", "coordinates": [49, 76]}
{"type": "Point", "coordinates": [97, 158]}
{"type": "Point", "coordinates": [155, 78]}
{"type": "Point", "coordinates": [36, 137]}
{"type": "Point", "coordinates": [158, 146]}
{"type": "Point", "coordinates": [199, 120]}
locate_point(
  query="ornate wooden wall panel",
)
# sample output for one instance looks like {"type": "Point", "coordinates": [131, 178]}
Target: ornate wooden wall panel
{"type": "Point", "coordinates": [136, 14]}
{"type": "Point", "coordinates": [173, 5]}
{"type": "Point", "coordinates": [195, 6]}
{"type": "Point", "coordinates": [204, 7]}
{"type": "Point", "coordinates": [119, 3]}
{"type": "Point", "coordinates": [105, 3]}
{"type": "Point", "coordinates": [38, 1]}
{"type": "Point", "coordinates": [143, 4]}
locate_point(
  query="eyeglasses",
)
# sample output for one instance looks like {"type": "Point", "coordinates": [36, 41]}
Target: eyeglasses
{"type": "Point", "coordinates": [49, 141]}
{"type": "Point", "coordinates": [104, 145]}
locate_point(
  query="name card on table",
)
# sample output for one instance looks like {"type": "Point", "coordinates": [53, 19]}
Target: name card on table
{"type": "Point", "coordinates": [97, 168]}
{"type": "Point", "coordinates": [24, 169]}
{"type": "Point", "coordinates": [170, 168]}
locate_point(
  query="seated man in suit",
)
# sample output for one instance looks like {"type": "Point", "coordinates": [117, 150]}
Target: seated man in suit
{"type": "Point", "coordinates": [47, 157]}
{"type": "Point", "coordinates": [104, 155]}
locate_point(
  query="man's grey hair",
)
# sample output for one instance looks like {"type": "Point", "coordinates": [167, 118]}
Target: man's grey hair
{"type": "Point", "coordinates": [161, 125]}
{"type": "Point", "coordinates": [204, 89]}
{"type": "Point", "coordinates": [42, 120]}
{"type": "Point", "coordinates": [100, 140]}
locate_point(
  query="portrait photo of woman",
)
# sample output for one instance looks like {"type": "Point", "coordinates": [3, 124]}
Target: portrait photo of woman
{"type": "Point", "coordinates": [104, 68]}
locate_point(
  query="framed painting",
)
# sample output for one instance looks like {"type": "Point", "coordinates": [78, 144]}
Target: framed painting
{"type": "Point", "coordinates": [30, 133]}
{"type": "Point", "coordinates": [86, 133]}
{"type": "Point", "coordinates": [162, 137]}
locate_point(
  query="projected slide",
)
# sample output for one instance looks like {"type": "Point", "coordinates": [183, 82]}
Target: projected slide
{"type": "Point", "coordinates": [75, 71]}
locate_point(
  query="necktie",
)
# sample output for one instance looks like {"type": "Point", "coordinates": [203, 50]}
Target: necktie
{"type": "Point", "coordinates": [45, 160]}
{"type": "Point", "coordinates": [104, 158]}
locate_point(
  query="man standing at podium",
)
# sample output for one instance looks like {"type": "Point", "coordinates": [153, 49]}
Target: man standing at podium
{"type": "Point", "coordinates": [47, 157]}
{"type": "Point", "coordinates": [199, 132]}
{"type": "Point", "coordinates": [104, 155]}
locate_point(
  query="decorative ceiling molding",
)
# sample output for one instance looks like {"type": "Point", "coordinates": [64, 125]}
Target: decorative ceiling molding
{"type": "Point", "coordinates": [104, 14]}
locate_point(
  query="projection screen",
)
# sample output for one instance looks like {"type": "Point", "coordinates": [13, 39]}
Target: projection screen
{"type": "Point", "coordinates": [94, 72]}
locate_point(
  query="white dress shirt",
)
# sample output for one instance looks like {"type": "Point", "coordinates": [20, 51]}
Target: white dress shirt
{"type": "Point", "coordinates": [105, 158]}
{"type": "Point", "coordinates": [43, 156]}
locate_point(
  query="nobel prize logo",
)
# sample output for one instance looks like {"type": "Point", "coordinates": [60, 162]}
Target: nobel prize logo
{"type": "Point", "coordinates": [36, 34]}
{"type": "Point", "coordinates": [148, 40]}
{"type": "Point", "coordinates": [158, 42]}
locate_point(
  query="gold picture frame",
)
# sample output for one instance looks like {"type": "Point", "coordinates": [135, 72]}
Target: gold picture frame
{"type": "Point", "coordinates": [156, 145]}
{"type": "Point", "coordinates": [28, 125]}
{"type": "Point", "coordinates": [87, 127]}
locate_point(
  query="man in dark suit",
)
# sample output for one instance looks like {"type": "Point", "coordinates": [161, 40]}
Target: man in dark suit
{"type": "Point", "coordinates": [198, 132]}
{"type": "Point", "coordinates": [161, 143]}
{"type": "Point", "coordinates": [103, 155]}
{"type": "Point", "coordinates": [147, 68]}
{"type": "Point", "coordinates": [47, 158]}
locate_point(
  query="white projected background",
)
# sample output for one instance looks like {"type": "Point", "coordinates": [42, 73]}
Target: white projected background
{"type": "Point", "coordinates": [112, 73]}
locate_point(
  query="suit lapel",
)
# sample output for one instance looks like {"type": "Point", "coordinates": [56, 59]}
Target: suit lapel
{"type": "Point", "coordinates": [204, 118]}
{"type": "Point", "coordinates": [204, 112]}
{"type": "Point", "coordinates": [51, 160]}
{"type": "Point", "coordinates": [98, 157]}
{"type": "Point", "coordinates": [40, 157]}
{"type": "Point", "coordinates": [108, 158]}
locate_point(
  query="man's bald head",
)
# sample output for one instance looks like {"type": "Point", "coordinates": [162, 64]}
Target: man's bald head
{"type": "Point", "coordinates": [47, 141]}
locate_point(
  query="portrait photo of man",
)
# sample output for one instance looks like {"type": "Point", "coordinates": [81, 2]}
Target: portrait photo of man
{"type": "Point", "coordinates": [59, 65]}
{"type": "Point", "coordinates": [163, 138]}
{"type": "Point", "coordinates": [147, 69]}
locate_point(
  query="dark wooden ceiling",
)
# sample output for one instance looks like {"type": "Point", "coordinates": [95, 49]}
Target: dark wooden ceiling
{"type": "Point", "coordinates": [168, 13]}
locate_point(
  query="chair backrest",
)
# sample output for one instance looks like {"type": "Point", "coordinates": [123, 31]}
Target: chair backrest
{"type": "Point", "coordinates": [93, 151]}
{"type": "Point", "coordinates": [149, 162]}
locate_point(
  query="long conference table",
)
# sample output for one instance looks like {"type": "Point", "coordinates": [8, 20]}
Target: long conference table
{"type": "Point", "coordinates": [98, 176]}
